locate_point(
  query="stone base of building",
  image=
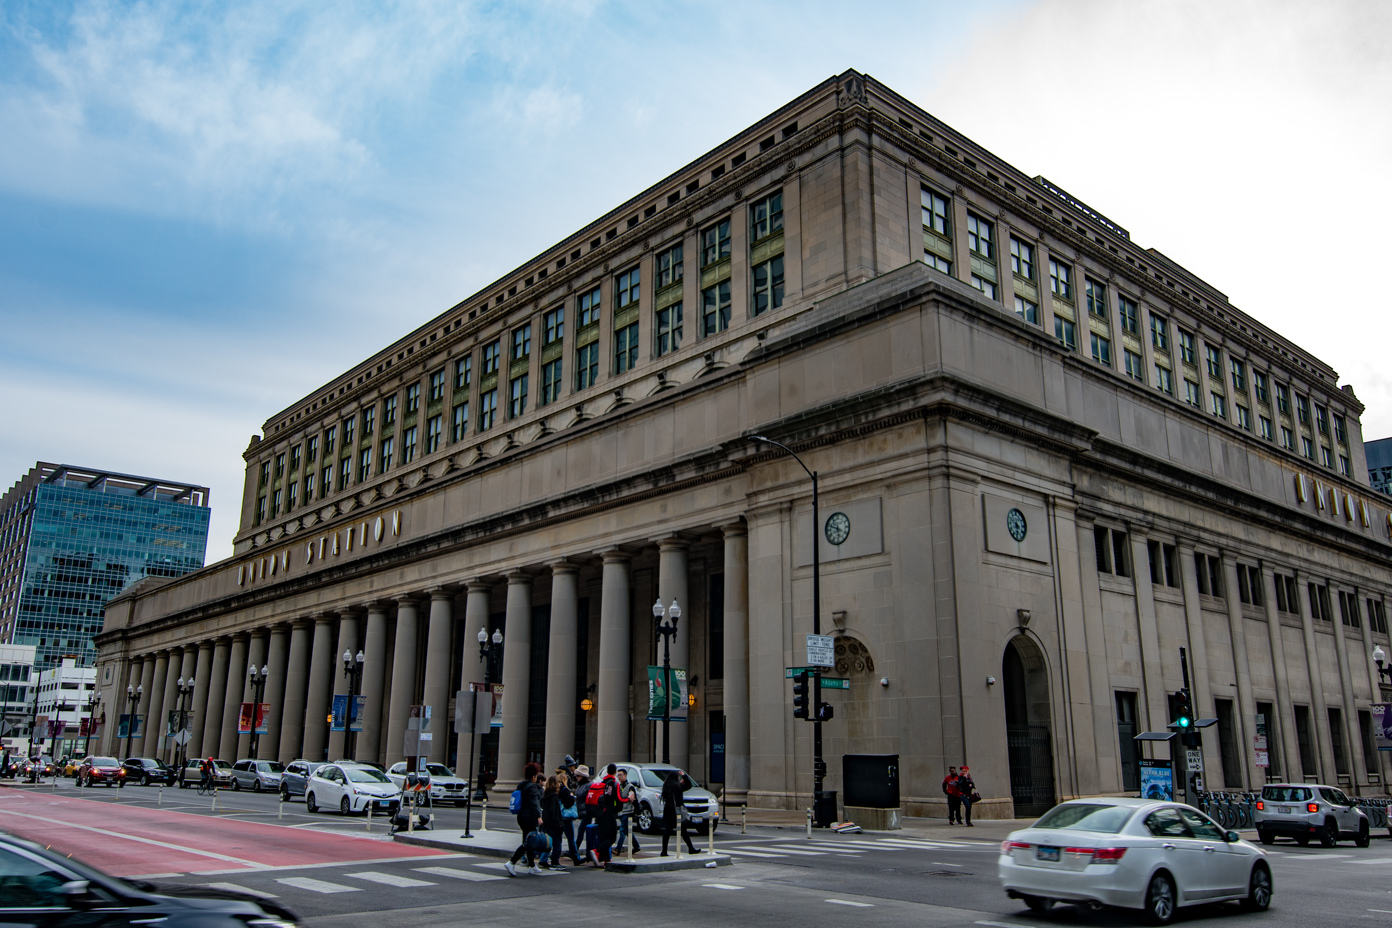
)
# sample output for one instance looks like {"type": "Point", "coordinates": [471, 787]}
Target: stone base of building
{"type": "Point", "coordinates": [875, 819]}
{"type": "Point", "coordinates": [989, 809]}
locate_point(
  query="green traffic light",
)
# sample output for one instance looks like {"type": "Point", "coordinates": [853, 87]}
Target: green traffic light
{"type": "Point", "coordinates": [1183, 721]}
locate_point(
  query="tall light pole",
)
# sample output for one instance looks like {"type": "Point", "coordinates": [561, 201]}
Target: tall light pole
{"type": "Point", "coordinates": [666, 631]}
{"type": "Point", "coordinates": [353, 670]}
{"type": "Point", "coordinates": [91, 718]}
{"type": "Point", "coordinates": [258, 687]}
{"type": "Point", "coordinates": [818, 765]}
{"type": "Point", "coordinates": [133, 695]}
{"type": "Point", "coordinates": [185, 689]}
{"type": "Point", "coordinates": [490, 654]}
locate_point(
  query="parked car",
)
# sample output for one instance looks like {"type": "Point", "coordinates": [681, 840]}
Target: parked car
{"type": "Point", "coordinates": [257, 775]}
{"type": "Point", "coordinates": [1309, 810]}
{"type": "Point", "coordinates": [295, 777]}
{"type": "Point", "coordinates": [444, 785]}
{"type": "Point", "coordinates": [44, 888]}
{"type": "Point", "coordinates": [702, 808]}
{"type": "Point", "coordinates": [1134, 854]}
{"type": "Point", "coordinates": [104, 770]}
{"type": "Point", "coordinates": [35, 767]}
{"type": "Point", "coordinates": [147, 771]}
{"type": "Point", "coordinates": [192, 773]}
{"type": "Point", "coordinates": [351, 788]}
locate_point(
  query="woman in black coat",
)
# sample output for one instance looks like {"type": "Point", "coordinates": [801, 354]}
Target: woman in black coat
{"type": "Point", "coordinates": [554, 800]}
{"type": "Point", "coordinates": [673, 791]}
{"type": "Point", "coordinates": [528, 818]}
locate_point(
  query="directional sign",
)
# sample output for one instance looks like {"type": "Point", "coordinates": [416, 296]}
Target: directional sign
{"type": "Point", "coordinates": [821, 650]}
{"type": "Point", "coordinates": [836, 683]}
{"type": "Point", "coordinates": [182, 736]}
{"type": "Point", "coordinates": [792, 672]}
{"type": "Point", "coordinates": [1193, 759]}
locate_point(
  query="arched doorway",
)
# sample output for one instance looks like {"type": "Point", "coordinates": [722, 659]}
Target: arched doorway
{"type": "Point", "coordinates": [1028, 735]}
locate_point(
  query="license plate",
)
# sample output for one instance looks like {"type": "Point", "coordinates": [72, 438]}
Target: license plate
{"type": "Point", "coordinates": [383, 803]}
{"type": "Point", "coordinates": [1283, 810]}
{"type": "Point", "coordinates": [1047, 853]}
{"type": "Point", "coordinates": [698, 818]}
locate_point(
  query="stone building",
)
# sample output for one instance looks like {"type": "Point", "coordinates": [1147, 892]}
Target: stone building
{"type": "Point", "coordinates": [1048, 459]}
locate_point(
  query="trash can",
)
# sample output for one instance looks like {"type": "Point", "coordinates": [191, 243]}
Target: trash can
{"type": "Point", "coordinates": [824, 809]}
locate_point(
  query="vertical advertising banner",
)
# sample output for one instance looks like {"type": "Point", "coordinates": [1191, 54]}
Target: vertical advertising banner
{"type": "Point", "coordinates": [340, 713]}
{"type": "Point", "coordinates": [355, 716]}
{"type": "Point", "coordinates": [244, 719]}
{"type": "Point", "coordinates": [497, 706]}
{"type": "Point", "coordinates": [263, 718]}
{"type": "Point", "coordinates": [1157, 780]}
{"type": "Point", "coordinates": [672, 691]}
{"type": "Point", "coordinates": [1382, 725]}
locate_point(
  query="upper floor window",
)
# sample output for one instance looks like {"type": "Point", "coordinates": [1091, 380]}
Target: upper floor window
{"type": "Point", "coordinates": [935, 216]}
{"type": "Point", "coordinates": [1159, 333]}
{"type": "Point", "coordinates": [626, 289]}
{"type": "Point", "coordinates": [437, 386]}
{"type": "Point", "coordinates": [280, 466]}
{"type": "Point", "coordinates": [1164, 564]}
{"type": "Point", "coordinates": [1302, 409]}
{"type": "Point", "coordinates": [369, 420]}
{"type": "Point", "coordinates": [981, 236]}
{"type": "Point", "coordinates": [1096, 297]}
{"type": "Point", "coordinates": [1111, 549]}
{"type": "Point", "coordinates": [1186, 347]}
{"type": "Point", "coordinates": [1135, 364]}
{"type": "Point", "coordinates": [766, 217]}
{"type": "Point", "coordinates": [491, 352]}
{"type": "Point", "coordinates": [330, 434]}
{"type": "Point", "coordinates": [412, 398]}
{"type": "Point", "coordinates": [1066, 332]}
{"type": "Point", "coordinates": [312, 449]}
{"type": "Point", "coordinates": [1322, 418]}
{"type": "Point", "coordinates": [433, 429]}
{"type": "Point", "coordinates": [1283, 404]}
{"type": "Point", "coordinates": [1210, 574]}
{"type": "Point", "coordinates": [1215, 362]}
{"type": "Point", "coordinates": [348, 431]}
{"type": "Point", "coordinates": [389, 412]}
{"type": "Point", "coordinates": [295, 457]}
{"type": "Point", "coordinates": [1021, 258]}
{"type": "Point", "coordinates": [586, 311]}
{"type": "Point", "coordinates": [522, 342]}
{"type": "Point", "coordinates": [1101, 349]}
{"type": "Point", "coordinates": [1249, 585]}
{"type": "Point", "coordinates": [625, 348]}
{"type": "Point", "coordinates": [1260, 385]}
{"type": "Point", "coordinates": [1164, 380]}
{"type": "Point", "coordinates": [1127, 309]}
{"type": "Point", "coordinates": [1061, 279]}
{"type": "Point", "coordinates": [1341, 429]}
{"type": "Point", "coordinates": [463, 372]}
{"type": "Point", "coordinates": [669, 266]}
{"type": "Point", "coordinates": [1239, 375]}
{"type": "Point", "coordinates": [715, 308]}
{"type": "Point", "coordinates": [669, 328]}
{"type": "Point", "coordinates": [553, 326]}
{"type": "Point", "coordinates": [265, 473]}
{"type": "Point", "coordinates": [1287, 593]}
{"type": "Point", "coordinates": [715, 243]}
{"type": "Point", "coordinates": [1219, 405]}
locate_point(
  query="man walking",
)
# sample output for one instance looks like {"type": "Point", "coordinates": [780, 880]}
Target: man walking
{"type": "Point", "coordinates": [954, 796]}
{"type": "Point", "coordinates": [628, 808]}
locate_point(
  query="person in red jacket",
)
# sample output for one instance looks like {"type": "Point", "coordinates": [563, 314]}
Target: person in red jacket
{"type": "Point", "coordinates": [954, 796]}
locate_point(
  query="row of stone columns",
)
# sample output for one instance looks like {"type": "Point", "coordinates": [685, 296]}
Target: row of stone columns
{"type": "Point", "coordinates": [303, 662]}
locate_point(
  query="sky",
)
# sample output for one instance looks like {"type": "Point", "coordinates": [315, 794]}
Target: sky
{"type": "Point", "coordinates": [207, 211]}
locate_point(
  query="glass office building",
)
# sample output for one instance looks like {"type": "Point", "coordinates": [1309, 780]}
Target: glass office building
{"type": "Point", "coordinates": [72, 538]}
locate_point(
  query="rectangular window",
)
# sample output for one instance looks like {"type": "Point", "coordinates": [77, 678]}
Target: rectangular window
{"type": "Point", "coordinates": [1126, 738]}
{"type": "Point", "coordinates": [522, 342]}
{"type": "Point", "coordinates": [1307, 447]}
{"type": "Point", "coordinates": [463, 372]}
{"type": "Point", "coordinates": [1322, 419]}
{"type": "Point", "coordinates": [1283, 404]}
{"type": "Point", "coordinates": [1261, 388]}
{"type": "Point", "coordinates": [1066, 332]}
{"type": "Point", "coordinates": [389, 413]}
{"type": "Point", "coordinates": [669, 329]}
{"type": "Point", "coordinates": [437, 387]}
{"type": "Point", "coordinates": [312, 450]}
{"type": "Point", "coordinates": [369, 420]}
{"type": "Point", "coordinates": [1209, 572]}
{"type": "Point", "coordinates": [625, 348]}
{"type": "Point", "coordinates": [1326, 457]}
{"type": "Point", "coordinates": [492, 354]}
{"type": "Point", "coordinates": [295, 458]}
{"type": "Point", "coordinates": [1228, 751]}
{"type": "Point", "coordinates": [260, 509]}
{"type": "Point", "coordinates": [460, 422]}
{"type": "Point", "coordinates": [937, 262]}
{"type": "Point", "coordinates": [768, 285]}
{"type": "Point", "coordinates": [626, 289]}
{"type": "Point", "coordinates": [1186, 346]}
{"type": "Point", "coordinates": [1345, 466]}
{"type": "Point", "coordinates": [388, 450]}
{"type": "Point", "coordinates": [1110, 546]}
{"type": "Point", "coordinates": [275, 504]}
{"type": "Point", "coordinates": [715, 243]}
{"type": "Point", "coordinates": [1305, 738]}
{"type": "Point", "coordinates": [981, 236]}
{"type": "Point", "coordinates": [408, 445]}
{"type": "Point", "coordinates": [715, 308]}
{"type": "Point", "coordinates": [1249, 585]}
{"type": "Point", "coordinates": [1061, 279]}
{"type": "Point", "coordinates": [488, 409]}
{"type": "Point", "coordinates": [364, 464]}
{"type": "Point", "coordinates": [1219, 405]}
{"type": "Point", "coordinates": [587, 366]}
{"type": "Point", "coordinates": [1135, 364]}
{"type": "Point", "coordinates": [1096, 298]}
{"type": "Point", "coordinates": [1341, 430]}
{"type": "Point", "coordinates": [1265, 423]}
{"type": "Point", "coordinates": [1101, 349]}
{"type": "Point", "coordinates": [553, 325]}
{"type": "Point", "coordinates": [1164, 380]}
{"type": "Point", "coordinates": [433, 427]}
{"type": "Point", "coordinates": [1191, 393]}
{"type": "Point", "coordinates": [1348, 610]}
{"type": "Point", "coordinates": [1239, 375]}
{"type": "Point", "coordinates": [669, 266]}
{"type": "Point", "coordinates": [517, 396]}
{"type": "Point", "coordinates": [412, 399]}
{"type": "Point", "coordinates": [1336, 738]}
{"type": "Point", "coordinates": [1244, 417]}
{"type": "Point", "coordinates": [345, 471]}
{"type": "Point", "coordinates": [348, 431]}
{"type": "Point", "coordinates": [1026, 310]}
{"type": "Point", "coordinates": [984, 285]}
{"type": "Point", "coordinates": [1287, 438]}
{"type": "Point", "coordinates": [586, 310]}
{"type": "Point", "coordinates": [935, 216]}
{"type": "Point", "coordinates": [1215, 362]}
{"type": "Point", "coordinates": [326, 481]}
{"type": "Point", "coordinates": [279, 466]}
{"type": "Point", "coordinates": [766, 217]}
{"type": "Point", "coordinates": [1159, 333]}
{"type": "Point", "coordinates": [1021, 258]}
{"type": "Point", "coordinates": [309, 488]}
{"type": "Point", "coordinates": [1320, 607]}
{"type": "Point", "coordinates": [1302, 409]}
{"type": "Point", "coordinates": [1377, 616]}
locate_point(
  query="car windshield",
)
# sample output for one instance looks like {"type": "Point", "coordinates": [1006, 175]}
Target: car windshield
{"type": "Point", "coordinates": [1085, 816]}
{"type": "Point", "coordinates": [439, 770]}
{"type": "Point", "coordinates": [365, 775]}
{"type": "Point", "coordinates": [104, 762]}
{"type": "Point", "coordinates": [271, 766]}
{"type": "Point", "coordinates": [222, 765]}
{"type": "Point", "coordinates": [1285, 794]}
{"type": "Point", "coordinates": [655, 777]}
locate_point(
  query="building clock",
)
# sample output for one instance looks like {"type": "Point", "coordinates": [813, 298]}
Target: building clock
{"type": "Point", "coordinates": [838, 528]}
{"type": "Point", "coordinates": [1015, 523]}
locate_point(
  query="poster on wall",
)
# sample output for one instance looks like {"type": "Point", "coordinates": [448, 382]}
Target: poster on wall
{"type": "Point", "coordinates": [1157, 780]}
{"type": "Point", "coordinates": [1382, 725]}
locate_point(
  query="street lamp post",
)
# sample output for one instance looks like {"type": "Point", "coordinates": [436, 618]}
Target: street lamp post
{"type": "Point", "coordinates": [133, 696]}
{"type": "Point", "coordinates": [666, 630]}
{"type": "Point", "coordinates": [185, 689]}
{"type": "Point", "coordinates": [353, 670]}
{"type": "Point", "coordinates": [1380, 658]}
{"type": "Point", "coordinates": [818, 764]}
{"type": "Point", "coordinates": [258, 687]}
{"type": "Point", "coordinates": [490, 653]}
{"type": "Point", "coordinates": [91, 719]}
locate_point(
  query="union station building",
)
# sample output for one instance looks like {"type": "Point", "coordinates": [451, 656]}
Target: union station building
{"type": "Point", "coordinates": [1048, 458]}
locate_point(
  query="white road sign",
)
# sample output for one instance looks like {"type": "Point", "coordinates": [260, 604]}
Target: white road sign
{"type": "Point", "coordinates": [821, 651]}
{"type": "Point", "coordinates": [1193, 759]}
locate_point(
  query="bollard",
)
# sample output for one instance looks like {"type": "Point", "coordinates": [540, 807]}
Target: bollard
{"type": "Point", "coordinates": [159, 799]}
{"type": "Point", "coordinates": [743, 809]}
{"type": "Point", "coordinates": [410, 819]}
{"type": "Point", "coordinates": [214, 807]}
{"type": "Point", "coordinates": [629, 834]}
{"type": "Point", "coordinates": [483, 816]}
{"type": "Point", "coordinates": [809, 824]}
{"type": "Point", "coordinates": [681, 832]}
{"type": "Point", "coordinates": [369, 815]}
{"type": "Point", "coordinates": [710, 831]}
{"type": "Point", "coordinates": [280, 806]}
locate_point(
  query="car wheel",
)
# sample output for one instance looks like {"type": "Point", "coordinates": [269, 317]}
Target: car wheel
{"type": "Point", "coordinates": [145, 780]}
{"type": "Point", "coordinates": [309, 803]}
{"type": "Point", "coordinates": [1265, 837]}
{"type": "Point", "coordinates": [256, 786]}
{"type": "Point", "coordinates": [1258, 889]}
{"type": "Point", "coordinates": [343, 806]}
{"type": "Point", "coordinates": [1160, 900]}
{"type": "Point", "coordinates": [645, 819]}
{"type": "Point", "coordinates": [1329, 835]}
{"type": "Point", "coordinates": [1038, 904]}
{"type": "Point", "coordinates": [1302, 840]}
{"type": "Point", "coordinates": [1363, 839]}
{"type": "Point", "coordinates": [236, 786]}
{"type": "Point", "coordinates": [284, 794]}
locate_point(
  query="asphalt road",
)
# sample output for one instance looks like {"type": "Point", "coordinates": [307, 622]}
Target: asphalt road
{"type": "Point", "coordinates": [779, 878]}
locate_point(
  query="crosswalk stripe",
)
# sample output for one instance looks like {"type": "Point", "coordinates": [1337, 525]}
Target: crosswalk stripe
{"type": "Point", "coordinates": [454, 874]}
{"type": "Point", "coordinates": [317, 886]}
{"type": "Point", "coordinates": [858, 905]}
{"type": "Point", "coordinates": [388, 879]}
{"type": "Point", "coordinates": [233, 887]}
{"type": "Point", "coordinates": [744, 853]}
{"type": "Point", "coordinates": [799, 853]}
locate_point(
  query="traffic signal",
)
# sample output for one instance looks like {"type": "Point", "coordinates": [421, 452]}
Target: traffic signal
{"type": "Point", "coordinates": [1184, 720]}
{"type": "Point", "coordinates": [800, 696]}
{"type": "Point", "coordinates": [825, 712]}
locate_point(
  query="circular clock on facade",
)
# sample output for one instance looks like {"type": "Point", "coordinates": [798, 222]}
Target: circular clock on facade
{"type": "Point", "coordinates": [1015, 523]}
{"type": "Point", "coordinates": [838, 528]}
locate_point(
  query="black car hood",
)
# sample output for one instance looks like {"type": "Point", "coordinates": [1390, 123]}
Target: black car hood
{"type": "Point", "coordinates": [206, 898]}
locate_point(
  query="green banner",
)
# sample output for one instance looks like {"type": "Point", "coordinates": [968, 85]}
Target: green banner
{"type": "Point", "coordinates": [675, 691]}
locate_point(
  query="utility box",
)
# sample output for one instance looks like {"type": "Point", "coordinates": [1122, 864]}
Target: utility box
{"type": "Point", "coordinates": [870, 784]}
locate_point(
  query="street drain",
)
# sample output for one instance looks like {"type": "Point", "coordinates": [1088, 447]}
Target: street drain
{"type": "Point", "coordinates": [945, 873]}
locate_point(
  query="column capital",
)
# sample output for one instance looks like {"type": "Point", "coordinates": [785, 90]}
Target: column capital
{"type": "Point", "coordinates": [519, 577]}
{"type": "Point", "coordinates": [374, 605]}
{"type": "Point", "coordinates": [563, 566]}
{"type": "Point", "coordinates": [735, 529]}
{"type": "Point", "coordinates": [672, 542]}
{"type": "Point", "coordinates": [321, 618]}
{"type": "Point", "coordinates": [406, 599]}
{"type": "Point", "coordinates": [440, 594]}
{"type": "Point", "coordinates": [615, 555]}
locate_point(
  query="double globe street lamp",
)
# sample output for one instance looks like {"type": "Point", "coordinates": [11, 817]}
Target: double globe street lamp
{"type": "Point", "coordinates": [490, 654]}
{"type": "Point", "coordinates": [182, 706]}
{"type": "Point", "coordinates": [258, 687]}
{"type": "Point", "coordinates": [353, 670]}
{"type": "Point", "coordinates": [666, 631]}
{"type": "Point", "coordinates": [133, 696]}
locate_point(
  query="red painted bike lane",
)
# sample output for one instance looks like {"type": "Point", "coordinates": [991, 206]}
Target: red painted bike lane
{"type": "Point", "coordinates": [134, 841]}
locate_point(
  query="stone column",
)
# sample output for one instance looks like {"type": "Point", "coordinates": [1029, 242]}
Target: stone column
{"type": "Point", "coordinates": [671, 585]}
{"type": "Point", "coordinates": [475, 621]}
{"type": "Point", "coordinates": [611, 740]}
{"type": "Point", "coordinates": [321, 667]}
{"type": "Point", "coordinates": [1358, 767]}
{"type": "Point", "coordinates": [232, 703]}
{"type": "Point", "coordinates": [217, 698]}
{"type": "Point", "coordinates": [171, 699]}
{"type": "Point", "coordinates": [517, 660]}
{"type": "Point", "coordinates": [736, 683]}
{"type": "Point", "coordinates": [1319, 725]}
{"type": "Point", "coordinates": [202, 677]}
{"type": "Point", "coordinates": [1246, 704]}
{"type": "Point", "coordinates": [147, 686]}
{"type": "Point", "coordinates": [561, 681]}
{"type": "Point", "coordinates": [256, 657]}
{"type": "Point", "coordinates": [438, 651]}
{"type": "Point", "coordinates": [154, 722]}
{"type": "Point", "coordinates": [403, 680]}
{"type": "Point", "coordinates": [292, 718]}
{"type": "Point", "coordinates": [277, 659]}
{"type": "Point", "coordinates": [373, 681]}
{"type": "Point", "coordinates": [1152, 661]}
{"type": "Point", "coordinates": [1285, 712]}
{"type": "Point", "coordinates": [347, 641]}
{"type": "Point", "coordinates": [1201, 690]}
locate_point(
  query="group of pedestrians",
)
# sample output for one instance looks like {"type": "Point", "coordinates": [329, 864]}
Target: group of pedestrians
{"type": "Point", "coordinates": [961, 795]}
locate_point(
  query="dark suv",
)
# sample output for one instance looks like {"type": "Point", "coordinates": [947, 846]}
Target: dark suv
{"type": "Point", "coordinates": [147, 771]}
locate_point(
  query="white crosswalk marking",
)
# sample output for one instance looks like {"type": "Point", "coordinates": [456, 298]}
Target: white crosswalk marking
{"type": "Point", "coordinates": [721, 886]}
{"type": "Point", "coordinates": [455, 874]}
{"type": "Point", "coordinates": [797, 852]}
{"type": "Point", "coordinates": [316, 886]}
{"type": "Point", "coordinates": [743, 853]}
{"type": "Point", "coordinates": [388, 879]}
{"type": "Point", "coordinates": [233, 887]}
{"type": "Point", "coordinates": [858, 905]}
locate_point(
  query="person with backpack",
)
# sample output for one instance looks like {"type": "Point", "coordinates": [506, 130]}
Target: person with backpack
{"type": "Point", "coordinates": [581, 787]}
{"type": "Point", "coordinates": [526, 804]}
{"type": "Point", "coordinates": [602, 800]}
{"type": "Point", "coordinates": [552, 809]}
{"type": "Point", "coordinates": [674, 810]}
{"type": "Point", "coordinates": [966, 791]}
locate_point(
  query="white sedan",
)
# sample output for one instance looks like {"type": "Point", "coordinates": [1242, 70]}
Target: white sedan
{"type": "Point", "coordinates": [1135, 854]}
{"type": "Point", "coordinates": [444, 785]}
{"type": "Point", "coordinates": [351, 788]}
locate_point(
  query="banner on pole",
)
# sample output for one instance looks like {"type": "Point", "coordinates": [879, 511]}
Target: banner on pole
{"type": "Point", "coordinates": [355, 716]}
{"type": "Point", "coordinates": [263, 718]}
{"type": "Point", "coordinates": [1382, 725]}
{"type": "Point", "coordinates": [245, 718]}
{"type": "Point", "coordinates": [340, 713]}
{"type": "Point", "coordinates": [671, 692]}
{"type": "Point", "coordinates": [497, 706]}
